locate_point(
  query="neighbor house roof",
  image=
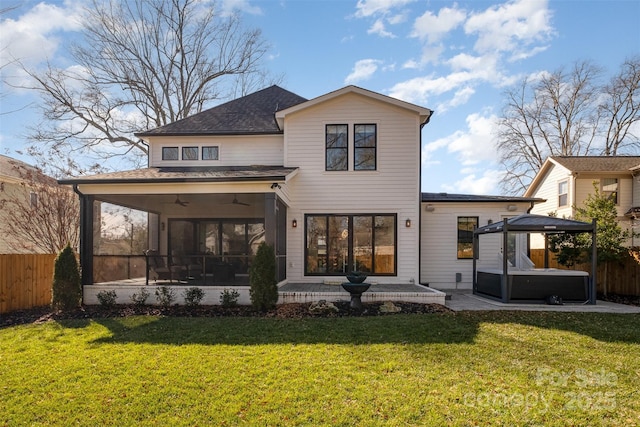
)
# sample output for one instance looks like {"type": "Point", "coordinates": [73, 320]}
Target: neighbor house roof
{"type": "Point", "coordinates": [188, 174]}
{"type": "Point", "coordinates": [585, 164]}
{"type": "Point", "coordinates": [251, 114]}
{"type": "Point", "coordinates": [598, 163]}
{"type": "Point", "coordinates": [470, 198]}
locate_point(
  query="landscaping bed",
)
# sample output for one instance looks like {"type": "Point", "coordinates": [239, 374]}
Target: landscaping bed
{"type": "Point", "coordinates": [285, 311]}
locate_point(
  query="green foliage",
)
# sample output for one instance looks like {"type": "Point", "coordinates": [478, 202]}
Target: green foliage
{"type": "Point", "coordinates": [610, 238]}
{"type": "Point", "coordinates": [140, 298]}
{"type": "Point", "coordinates": [193, 296]}
{"type": "Point", "coordinates": [165, 296]}
{"type": "Point", "coordinates": [229, 298]}
{"type": "Point", "coordinates": [107, 298]}
{"type": "Point", "coordinates": [67, 289]}
{"type": "Point", "coordinates": [262, 278]}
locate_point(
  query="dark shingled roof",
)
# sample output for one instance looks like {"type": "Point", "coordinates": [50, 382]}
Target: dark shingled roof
{"type": "Point", "coordinates": [187, 174]}
{"type": "Point", "coordinates": [537, 223]}
{"type": "Point", "coordinates": [251, 114]}
{"type": "Point", "coordinates": [469, 198]}
{"type": "Point", "coordinates": [598, 163]}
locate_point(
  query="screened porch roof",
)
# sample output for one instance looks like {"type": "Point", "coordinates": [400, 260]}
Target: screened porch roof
{"type": "Point", "coordinates": [188, 174]}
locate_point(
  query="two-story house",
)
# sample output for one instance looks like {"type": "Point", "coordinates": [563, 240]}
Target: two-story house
{"type": "Point", "coordinates": [566, 181]}
{"type": "Point", "coordinates": [333, 183]}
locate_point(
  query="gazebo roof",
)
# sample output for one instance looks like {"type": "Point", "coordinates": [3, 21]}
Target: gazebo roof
{"type": "Point", "coordinates": [537, 224]}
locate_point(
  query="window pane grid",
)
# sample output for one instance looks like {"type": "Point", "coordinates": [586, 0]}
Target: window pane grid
{"type": "Point", "coordinates": [466, 225]}
{"type": "Point", "coordinates": [337, 147]}
{"type": "Point", "coordinates": [337, 244]}
{"type": "Point", "coordinates": [365, 141]}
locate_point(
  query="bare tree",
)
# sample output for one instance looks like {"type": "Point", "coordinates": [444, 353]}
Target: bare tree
{"type": "Point", "coordinates": [620, 109]}
{"type": "Point", "coordinates": [566, 113]}
{"type": "Point", "coordinates": [142, 64]}
{"type": "Point", "coordinates": [38, 215]}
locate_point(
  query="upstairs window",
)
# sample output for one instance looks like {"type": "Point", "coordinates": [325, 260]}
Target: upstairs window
{"type": "Point", "coordinates": [169, 153]}
{"type": "Point", "coordinates": [337, 147]}
{"type": "Point", "coordinates": [610, 188]}
{"type": "Point", "coordinates": [563, 193]}
{"type": "Point", "coordinates": [466, 225]}
{"type": "Point", "coordinates": [364, 139]}
{"type": "Point", "coordinates": [210, 153]}
{"type": "Point", "coordinates": [189, 153]}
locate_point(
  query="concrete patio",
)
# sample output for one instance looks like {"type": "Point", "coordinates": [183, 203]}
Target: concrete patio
{"type": "Point", "coordinates": [465, 300]}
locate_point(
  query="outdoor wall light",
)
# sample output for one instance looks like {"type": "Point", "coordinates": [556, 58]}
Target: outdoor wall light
{"type": "Point", "coordinates": [275, 185]}
{"type": "Point", "coordinates": [294, 223]}
{"type": "Point", "coordinates": [407, 223]}
{"type": "Point", "coordinates": [490, 222]}
{"type": "Point", "coordinates": [162, 225]}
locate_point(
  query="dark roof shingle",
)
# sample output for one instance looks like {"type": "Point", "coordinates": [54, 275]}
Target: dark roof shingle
{"type": "Point", "coordinates": [598, 163]}
{"type": "Point", "coordinates": [251, 114]}
{"type": "Point", "coordinates": [466, 198]}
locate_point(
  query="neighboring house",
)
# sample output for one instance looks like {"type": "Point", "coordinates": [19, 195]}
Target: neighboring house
{"type": "Point", "coordinates": [446, 235]}
{"type": "Point", "coordinates": [13, 188]}
{"type": "Point", "coordinates": [566, 181]}
{"type": "Point", "coordinates": [333, 183]}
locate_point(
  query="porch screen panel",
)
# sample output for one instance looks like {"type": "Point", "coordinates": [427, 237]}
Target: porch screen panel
{"type": "Point", "coordinates": [316, 245]}
{"type": "Point", "coordinates": [210, 238]}
{"type": "Point", "coordinates": [181, 239]}
{"type": "Point", "coordinates": [234, 245]}
{"type": "Point", "coordinates": [385, 244]}
{"type": "Point", "coordinates": [363, 243]}
{"type": "Point", "coordinates": [255, 234]}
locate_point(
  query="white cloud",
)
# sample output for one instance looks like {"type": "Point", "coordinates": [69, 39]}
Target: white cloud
{"type": "Point", "coordinates": [435, 27]}
{"type": "Point", "coordinates": [472, 146]}
{"type": "Point", "coordinates": [363, 70]}
{"type": "Point", "coordinates": [379, 29]}
{"type": "Point", "coordinates": [36, 35]}
{"type": "Point", "coordinates": [367, 8]}
{"type": "Point", "coordinates": [511, 27]}
{"type": "Point", "coordinates": [461, 97]}
{"type": "Point", "coordinates": [419, 89]}
{"type": "Point", "coordinates": [471, 184]}
{"type": "Point", "coordinates": [230, 6]}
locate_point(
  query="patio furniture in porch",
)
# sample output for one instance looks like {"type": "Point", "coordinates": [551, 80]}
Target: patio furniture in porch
{"type": "Point", "coordinates": [157, 269]}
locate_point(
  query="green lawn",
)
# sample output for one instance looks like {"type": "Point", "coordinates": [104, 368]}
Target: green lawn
{"type": "Point", "coordinates": [496, 368]}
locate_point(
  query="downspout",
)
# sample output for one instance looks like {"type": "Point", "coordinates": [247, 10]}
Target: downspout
{"type": "Point", "coordinates": [420, 202]}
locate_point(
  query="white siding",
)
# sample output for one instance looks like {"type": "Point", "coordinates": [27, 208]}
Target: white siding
{"type": "Point", "coordinates": [438, 240]}
{"type": "Point", "coordinates": [584, 187]}
{"type": "Point", "coordinates": [548, 189]}
{"type": "Point", "coordinates": [263, 150]}
{"type": "Point", "coordinates": [392, 188]}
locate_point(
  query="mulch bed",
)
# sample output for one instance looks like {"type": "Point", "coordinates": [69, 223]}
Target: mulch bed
{"type": "Point", "coordinates": [282, 311]}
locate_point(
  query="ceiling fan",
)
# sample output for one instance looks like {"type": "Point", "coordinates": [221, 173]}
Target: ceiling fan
{"type": "Point", "coordinates": [180, 202]}
{"type": "Point", "coordinates": [235, 201]}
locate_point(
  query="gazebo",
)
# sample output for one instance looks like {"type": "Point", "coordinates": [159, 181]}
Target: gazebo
{"type": "Point", "coordinates": [509, 284]}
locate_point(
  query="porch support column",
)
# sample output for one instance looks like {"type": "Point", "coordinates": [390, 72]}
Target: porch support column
{"type": "Point", "coordinates": [86, 238]}
{"type": "Point", "coordinates": [270, 219]}
{"type": "Point", "coordinates": [504, 284]}
{"type": "Point", "coordinates": [594, 264]}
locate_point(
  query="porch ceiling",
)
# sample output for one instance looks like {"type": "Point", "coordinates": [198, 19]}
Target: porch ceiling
{"type": "Point", "coordinates": [191, 204]}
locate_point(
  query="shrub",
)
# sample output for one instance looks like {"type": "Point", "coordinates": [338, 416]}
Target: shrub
{"type": "Point", "coordinates": [107, 298]}
{"type": "Point", "coordinates": [262, 278]}
{"type": "Point", "coordinates": [66, 289]}
{"type": "Point", "coordinates": [229, 298]}
{"type": "Point", "coordinates": [165, 296]}
{"type": "Point", "coordinates": [141, 298]}
{"type": "Point", "coordinates": [193, 296]}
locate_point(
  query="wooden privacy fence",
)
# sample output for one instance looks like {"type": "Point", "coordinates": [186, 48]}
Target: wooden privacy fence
{"type": "Point", "coordinates": [25, 281]}
{"type": "Point", "coordinates": [623, 277]}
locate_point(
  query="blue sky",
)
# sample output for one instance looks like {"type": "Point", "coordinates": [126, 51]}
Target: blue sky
{"type": "Point", "coordinates": [456, 58]}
